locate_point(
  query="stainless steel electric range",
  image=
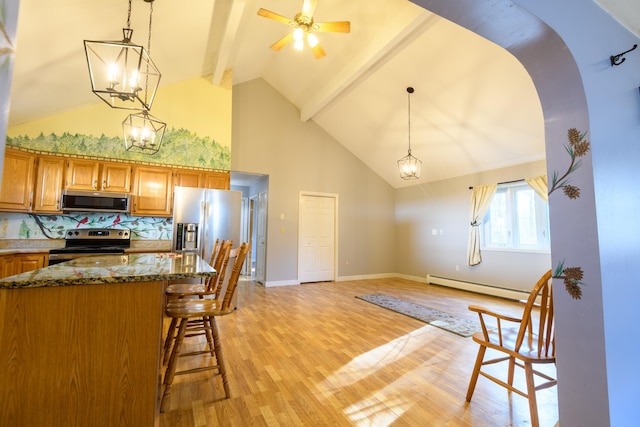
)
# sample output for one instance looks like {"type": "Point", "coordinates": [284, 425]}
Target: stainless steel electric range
{"type": "Point", "coordinates": [81, 242]}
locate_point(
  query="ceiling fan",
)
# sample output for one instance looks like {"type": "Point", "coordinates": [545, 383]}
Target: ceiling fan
{"type": "Point", "coordinates": [304, 27]}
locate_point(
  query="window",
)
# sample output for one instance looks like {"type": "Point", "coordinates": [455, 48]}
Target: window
{"type": "Point", "coordinates": [517, 219]}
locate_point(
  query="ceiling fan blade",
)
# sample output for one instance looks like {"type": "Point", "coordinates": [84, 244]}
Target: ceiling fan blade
{"type": "Point", "coordinates": [308, 7]}
{"type": "Point", "coordinates": [282, 42]}
{"type": "Point", "coordinates": [272, 15]}
{"type": "Point", "coordinates": [332, 27]}
{"type": "Point", "coordinates": [318, 51]}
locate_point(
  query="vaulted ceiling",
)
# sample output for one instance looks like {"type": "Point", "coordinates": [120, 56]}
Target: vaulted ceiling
{"type": "Point", "coordinates": [474, 108]}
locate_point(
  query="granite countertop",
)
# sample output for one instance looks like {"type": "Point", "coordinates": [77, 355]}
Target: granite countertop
{"type": "Point", "coordinates": [112, 269]}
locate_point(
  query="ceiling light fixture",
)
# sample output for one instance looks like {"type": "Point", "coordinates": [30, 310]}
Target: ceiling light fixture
{"type": "Point", "coordinates": [143, 133]}
{"type": "Point", "coordinates": [117, 69]}
{"type": "Point", "coordinates": [409, 165]}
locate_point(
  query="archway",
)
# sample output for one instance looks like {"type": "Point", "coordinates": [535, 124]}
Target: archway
{"type": "Point", "coordinates": [558, 81]}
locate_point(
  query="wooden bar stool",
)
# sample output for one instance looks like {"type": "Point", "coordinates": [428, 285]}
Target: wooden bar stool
{"type": "Point", "coordinates": [211, 288]}
{"type": "Point", "coordinates": [205, 310]}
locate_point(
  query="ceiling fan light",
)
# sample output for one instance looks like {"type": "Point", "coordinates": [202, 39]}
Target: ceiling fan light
{"type": "Point", "coordinates": [298, 45]}
{"type": "Point", "coordinates": [298, 34]}
{"type": "Point", "coordinates": [312, 40]}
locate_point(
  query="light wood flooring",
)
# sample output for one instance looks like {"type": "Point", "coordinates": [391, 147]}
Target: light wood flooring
{"type": "Point", "coordinates": [314, 355]}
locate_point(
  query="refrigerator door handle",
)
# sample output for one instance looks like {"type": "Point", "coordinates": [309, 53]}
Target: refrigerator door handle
{"type": "Point", "coordinates": [204, 212]}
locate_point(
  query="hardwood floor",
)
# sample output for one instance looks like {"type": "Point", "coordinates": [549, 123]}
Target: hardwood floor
{"type": "Point", "coordinates": [314, 355]}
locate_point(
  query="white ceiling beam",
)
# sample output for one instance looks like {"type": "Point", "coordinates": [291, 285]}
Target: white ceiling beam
{"type": "Point", "coordinates": [232, 24]}
{"type": "Point", "coordinates": [364, 64]}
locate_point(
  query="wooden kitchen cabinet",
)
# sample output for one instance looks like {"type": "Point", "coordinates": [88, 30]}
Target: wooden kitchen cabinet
{"type": "Point", "coordinates": [21, 263]}
{"type": "Point", "coordinates": [217, 180]}
{"type": "Point", "coordinates": [17, 181]}
{"type": "Point", "coordinates": [82, 174]}
{"type": "Point", "coordinates": [6, 266]}
{"type": "Point", "coordinates": [116, 177]}
{"type": "Point", "coordinates": [152, 191]}
{"type": "Point", "coordinates": [28, 262]}
{"type": "Point", "coordinates": [49, 184]}
{"type": "Point", "coordinates": [85, 174]}
{"type": "Point", "coordinates": [188, 178]}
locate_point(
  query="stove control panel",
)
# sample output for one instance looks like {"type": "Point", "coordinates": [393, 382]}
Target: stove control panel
{"type": "Point", "coordinates": [98, 233]}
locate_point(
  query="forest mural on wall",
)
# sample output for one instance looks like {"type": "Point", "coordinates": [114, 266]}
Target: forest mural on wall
{"type": "Point", "coordinates": [30, 226]}
{"type": "Point", "coordinates": [179, 147]}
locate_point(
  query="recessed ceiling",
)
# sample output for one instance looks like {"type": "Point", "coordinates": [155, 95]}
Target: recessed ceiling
{"type": "Point", "coordinates": [474, 107]}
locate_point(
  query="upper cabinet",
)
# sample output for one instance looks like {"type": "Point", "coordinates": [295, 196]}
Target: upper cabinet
{"type": "Point", "coordinates": [49, 182]}
{"type": "Point", "coordinates": [83, 174]}
{"type": "Point", "coordinates": [187, 178]}
{"type": "Point", "coordinates": [34, 182]}
{"type": "Point", "coordinates": [116, 177]}
{"type": "Point", "coordinates": [17, 181]}
{"type": "Point", "coordinates": [152, 191]}
{"type": "Point", "coordinates": [194, 178]}
{"type": "Point", "coordinates": [217, 180]}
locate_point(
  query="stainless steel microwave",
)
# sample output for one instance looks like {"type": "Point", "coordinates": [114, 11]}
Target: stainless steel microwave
{"type": "Point", "coordinates": [95, 201]}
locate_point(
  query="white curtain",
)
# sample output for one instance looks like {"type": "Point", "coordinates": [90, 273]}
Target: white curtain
{"type": "Point", "coordinates": [480, 201]}
{"type": "Point", "coordinates": [539, 184]}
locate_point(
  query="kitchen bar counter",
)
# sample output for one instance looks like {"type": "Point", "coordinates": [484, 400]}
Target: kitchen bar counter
{"type": "Point", "coordinates": [81, 341]}
{"type": "Point", "coordinates": [112, 269]}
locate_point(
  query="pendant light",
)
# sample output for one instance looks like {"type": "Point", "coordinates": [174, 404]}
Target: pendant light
{"type": "Point", "coordinates": [142, 132]}
{"type": "Point", "coordinates": [409, 165]}
{"type": "Point", "coordinates": [122, 73]}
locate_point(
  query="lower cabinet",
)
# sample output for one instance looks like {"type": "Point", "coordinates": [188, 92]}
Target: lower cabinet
{"type": "Point", "coordinates": [21, 263]}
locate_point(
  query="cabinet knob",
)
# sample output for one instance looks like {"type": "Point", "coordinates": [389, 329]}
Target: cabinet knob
{"type": "Point", "coordinates": [95, 184]}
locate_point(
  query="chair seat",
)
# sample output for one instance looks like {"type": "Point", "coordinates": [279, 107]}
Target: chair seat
{"type": "Point", "coordinates": [186, 289]}
{"type": "Point", "coordinates": [528, 351]}
{"type": "Point", "coordinates": [187, 308]}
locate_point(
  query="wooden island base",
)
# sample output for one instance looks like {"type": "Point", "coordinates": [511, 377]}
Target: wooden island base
{"type": "Point", "coordinates": [84, 355]}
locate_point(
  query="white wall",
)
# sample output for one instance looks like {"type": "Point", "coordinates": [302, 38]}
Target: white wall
{"type": "Point", "coordinates": [269, 138]}
{"type": "Point", "coordinates": [444, 206]}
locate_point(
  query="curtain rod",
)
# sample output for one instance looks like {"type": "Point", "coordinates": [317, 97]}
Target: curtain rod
{"type": "Point", "coordinates": [506, 182]}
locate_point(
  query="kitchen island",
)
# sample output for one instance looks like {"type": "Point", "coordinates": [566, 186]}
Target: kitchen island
{"type": "Point", "coordinates": [80, 341]}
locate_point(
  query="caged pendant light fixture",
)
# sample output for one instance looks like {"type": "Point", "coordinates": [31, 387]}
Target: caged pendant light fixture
{"type": "Point", "coordinates": [142, 132]}
{"type": "Point", "coordinates": [409, 165]}
{"type": "Point", "coordinates": [122, 73]}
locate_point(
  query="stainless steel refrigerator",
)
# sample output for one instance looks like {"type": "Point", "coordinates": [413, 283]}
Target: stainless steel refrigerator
{"type": "Point", "coordinates": [200, 216]}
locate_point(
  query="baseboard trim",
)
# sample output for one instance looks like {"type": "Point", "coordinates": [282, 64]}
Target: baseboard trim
{"type": "Point", "coordinates": [366, 276]}
{"type": "Point", "coordinates": [274, 283]}
{"type": "Point", "coordinates": [480, 288]}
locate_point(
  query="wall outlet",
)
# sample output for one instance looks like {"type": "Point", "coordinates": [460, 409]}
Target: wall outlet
{"type": "Point", "coordinates": [457, 268]}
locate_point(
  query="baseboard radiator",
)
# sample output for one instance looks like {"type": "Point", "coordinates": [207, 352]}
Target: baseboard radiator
{"type": "Point", "coordinates": [512, 294]}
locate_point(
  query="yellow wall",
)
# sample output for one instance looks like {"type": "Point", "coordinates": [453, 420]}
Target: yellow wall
{"type": "Point", "coordinates": [196, 105]}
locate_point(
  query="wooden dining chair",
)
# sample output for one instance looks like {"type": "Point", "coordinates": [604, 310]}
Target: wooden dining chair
{"type": "Point", "coordinates": [206, 310]}
{"type": "Point", "coordinates": [523, 342]}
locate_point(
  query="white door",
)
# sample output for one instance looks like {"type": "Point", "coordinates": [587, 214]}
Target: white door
{"type": "Point", "coordinates": [316, 247]}
{"type": "Point", "coordinates": [261, 237]}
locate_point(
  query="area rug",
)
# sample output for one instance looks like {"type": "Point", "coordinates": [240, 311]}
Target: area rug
{"type": "Point", "coordinates": [440, 319]}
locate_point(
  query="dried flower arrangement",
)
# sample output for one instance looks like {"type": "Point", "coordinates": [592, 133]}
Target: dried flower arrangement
{"type": "Point", "coordinates": [578, 147]}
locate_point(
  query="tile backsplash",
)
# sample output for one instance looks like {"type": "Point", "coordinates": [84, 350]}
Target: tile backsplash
{"type": "Point", "coordinates": [31, 226]}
